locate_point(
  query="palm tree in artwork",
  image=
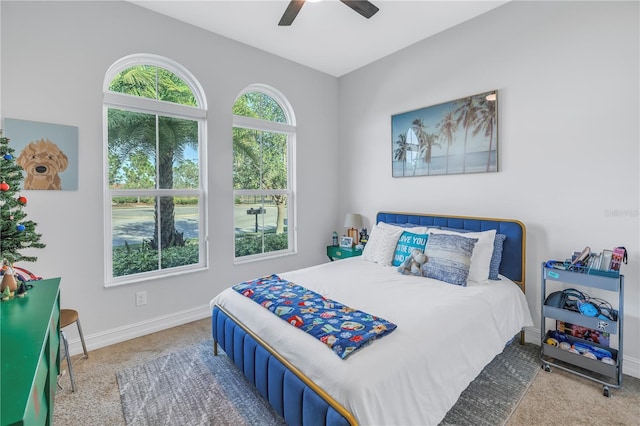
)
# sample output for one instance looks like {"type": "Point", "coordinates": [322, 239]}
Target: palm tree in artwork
{"type": "Point", "coordinates": [486, 123]}
{"type": "Point", "coordinates": [447, 128]}
{"type": "Point", "coordinates": [466, 114]}
{"type": "Point", "coordinates": [430, 141]}
{"type": "Point", "coordinates": [425, 140]}
{"type": "Point", "coordinates": [400, 154]}
{"type": "Point", "coordinates": [419, 129]}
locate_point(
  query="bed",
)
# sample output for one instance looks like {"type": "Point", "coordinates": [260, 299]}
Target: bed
{"type": "Point", "coordinates": [446, 333]}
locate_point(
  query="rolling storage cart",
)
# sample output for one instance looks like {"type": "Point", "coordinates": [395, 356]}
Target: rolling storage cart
{"type": "Point", "coordinates": [575, 363]}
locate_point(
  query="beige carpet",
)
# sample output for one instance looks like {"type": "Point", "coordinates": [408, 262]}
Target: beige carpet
{"type": "Point", "coordinates": [555, 398]}
{"type": "Point", "coordinates": [561, 398]}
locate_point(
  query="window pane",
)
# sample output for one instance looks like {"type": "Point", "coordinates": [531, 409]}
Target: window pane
{"type": "Point", "coordinates": [178, 153]}
{"type": "Point", "coordinates": [133, 224]}
{"type": "Point", "coordinates": [147, 81]}
{"type": "Point", "coordinates": [139, 240]}
{"type": "Point", "coordinates": [259, 105]}
{"type": "Point", "coordinates": [260, 224]}
{"type": "Point", "coordinates": [132, 151]}
{"type": "Point", "coordinates": [139, 80]}
{"type": "Point", "coordinates": [131, 139]}
{"type": "Point", "coordinates": [259, 159]}
{"type": "Point", "coordinates": [274, 160]}
{"type": "Point", "coordinates": [246, 159]}
{"type": "Point", "coordinates": [182, 247]}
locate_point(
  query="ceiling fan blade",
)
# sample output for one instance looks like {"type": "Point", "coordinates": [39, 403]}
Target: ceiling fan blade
{"type": "Point", "coordinates": [290, 14]}
{"type": "Point", "coordinates": [363, 7]}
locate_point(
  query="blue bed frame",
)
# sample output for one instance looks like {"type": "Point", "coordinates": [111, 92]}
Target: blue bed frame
{"type": "Point", "coordinates": [293, 395]}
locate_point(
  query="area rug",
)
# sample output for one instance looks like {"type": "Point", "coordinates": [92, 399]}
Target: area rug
{"type": "Point", "coordinates": [496, 392]}
{"type": "Point", "coordinates": [194, 387]}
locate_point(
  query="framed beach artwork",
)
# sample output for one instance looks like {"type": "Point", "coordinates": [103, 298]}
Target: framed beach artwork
{"type": "Point", "coordinates": [459, 136]}
{"type": "Point", "coordinates": [47, 153]}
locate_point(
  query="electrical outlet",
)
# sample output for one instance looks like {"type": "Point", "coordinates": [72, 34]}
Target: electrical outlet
{"type": "Point", "coordinates": [141, 298]}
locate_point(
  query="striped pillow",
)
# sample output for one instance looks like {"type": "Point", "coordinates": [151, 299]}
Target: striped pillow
{"type": "Point", "coordinates": [482, 252]}
{"type": "Point", "coordinates": [448, 258]}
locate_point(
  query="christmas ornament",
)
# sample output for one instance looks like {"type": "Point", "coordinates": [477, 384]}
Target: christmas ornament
{"type": "Point", "coordinates": [22, 200]}
{"type": "Point", "coordinates": [8, 156]}
{"type": "Point", "coordinates": [4, 186]}
{"type": "Point", "coordinates": [20, 228]}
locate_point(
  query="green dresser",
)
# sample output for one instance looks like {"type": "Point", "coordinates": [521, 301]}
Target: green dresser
{"type": "Point", "coordinates": [30, 355]}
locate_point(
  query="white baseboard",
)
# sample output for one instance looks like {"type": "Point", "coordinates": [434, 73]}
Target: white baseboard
{"type": "Point", "coordinates": [131, 331]}
{"type": "Point", "coordinates": [630, 365]}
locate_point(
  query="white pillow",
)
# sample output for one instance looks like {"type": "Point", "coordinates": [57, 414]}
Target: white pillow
{"type": "Point", "coordinates": [413, 229]}
{"type": "Point", "coordinates": [482, 252]}
{"type": "Point", "coordinates": [382, 244]}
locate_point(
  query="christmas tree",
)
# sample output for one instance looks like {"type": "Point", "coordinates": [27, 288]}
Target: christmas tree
{"type": "Point", "coordinates": [16, 233]}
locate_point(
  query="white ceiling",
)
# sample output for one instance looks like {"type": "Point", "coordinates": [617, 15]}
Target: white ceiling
{"type": "Point", "coordinates": [328, 35]}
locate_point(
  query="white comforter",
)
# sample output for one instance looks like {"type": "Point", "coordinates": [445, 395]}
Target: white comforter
{"type": "Point", "coordinates": [446, 335]}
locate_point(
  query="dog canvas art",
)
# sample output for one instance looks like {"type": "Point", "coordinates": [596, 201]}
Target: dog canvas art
{"type": "Point", "coordinates": [46, 152]}
{"type": "Point", "coordinates": [42, 162]}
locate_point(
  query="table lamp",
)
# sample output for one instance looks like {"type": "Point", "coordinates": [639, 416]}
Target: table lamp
{"type": "Point", "coordinates": [353, 221]}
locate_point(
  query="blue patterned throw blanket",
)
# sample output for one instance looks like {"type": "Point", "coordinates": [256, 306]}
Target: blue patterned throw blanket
{"type": "Point", "coordinates": [343, 329]}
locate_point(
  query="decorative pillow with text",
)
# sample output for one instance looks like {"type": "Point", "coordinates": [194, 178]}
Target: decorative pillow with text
{"type": "Point", "coordinates": [406, 243]}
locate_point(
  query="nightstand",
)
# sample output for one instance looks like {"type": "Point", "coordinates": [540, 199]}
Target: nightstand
{"type": "Point", "coordinates": [337, 252]}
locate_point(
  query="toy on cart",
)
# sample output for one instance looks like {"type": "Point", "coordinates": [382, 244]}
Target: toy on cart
{"type": "Point", "coordinates": [607, 263]}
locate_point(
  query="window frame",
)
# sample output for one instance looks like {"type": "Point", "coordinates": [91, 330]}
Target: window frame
{"type": "Point", "coordinates": [158, 108]}
{"type": "Point", "coordinates": [288, 129]}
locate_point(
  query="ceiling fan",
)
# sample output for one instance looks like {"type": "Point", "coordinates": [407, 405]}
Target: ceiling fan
{"type": "Point", "coordinates": [363, 7]}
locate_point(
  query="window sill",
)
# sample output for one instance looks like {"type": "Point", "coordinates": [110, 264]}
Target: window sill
{"type": "Point", "coordinates": [259, 257]}
{"type": "Point", "coordinates": [133, 279]}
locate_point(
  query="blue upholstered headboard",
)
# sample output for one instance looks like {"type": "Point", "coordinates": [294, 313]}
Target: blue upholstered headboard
{"type": "Point", "coordinates": [514, 247]}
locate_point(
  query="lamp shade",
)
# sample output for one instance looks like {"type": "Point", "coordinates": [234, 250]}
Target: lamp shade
{"type": "Point", "coordinates": [353, 220]}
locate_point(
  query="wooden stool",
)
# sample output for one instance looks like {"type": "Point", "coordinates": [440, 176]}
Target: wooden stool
{"type": "Point", "coordinates": [68, 317]}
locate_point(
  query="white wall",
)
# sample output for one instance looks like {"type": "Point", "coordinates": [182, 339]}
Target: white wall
{"type": "Point", "coordinates": [567, 77]}
{"type": "Point", "coordinates": [54, 59]}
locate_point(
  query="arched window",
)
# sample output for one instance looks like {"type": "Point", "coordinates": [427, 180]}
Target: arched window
{"type": "Point", "coordinates": [155, 171]}
{"type": "Point", "coordinates": [263, 174]}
